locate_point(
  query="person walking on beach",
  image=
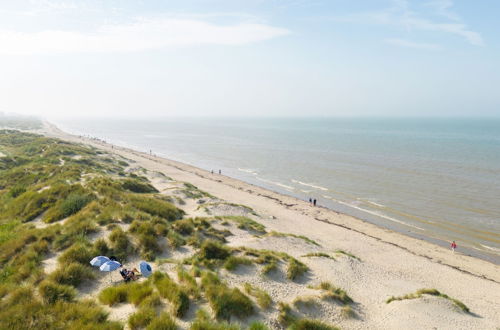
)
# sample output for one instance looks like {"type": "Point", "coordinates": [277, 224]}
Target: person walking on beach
{"type": "Point", "coordinates": [453, 246]}
{"type": "Point", "coordinates": [314, 202]}
{"type": "Point", "coordinates": [310, 201]}
{"type": "Point", "coordinates": [219, 172]}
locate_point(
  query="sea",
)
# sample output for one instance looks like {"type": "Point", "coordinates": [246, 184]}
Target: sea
{"type": "Point", "coordinates": [433, 179]}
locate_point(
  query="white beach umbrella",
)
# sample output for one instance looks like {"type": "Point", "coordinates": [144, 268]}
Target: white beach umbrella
{"type": "Point", "coordinates": [98, 261]}
{"type": "Point", "coordinates": [110, 266]}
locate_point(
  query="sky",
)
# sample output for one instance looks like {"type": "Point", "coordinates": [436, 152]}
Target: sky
{"type": "Point", "coordinates": [149, 58]}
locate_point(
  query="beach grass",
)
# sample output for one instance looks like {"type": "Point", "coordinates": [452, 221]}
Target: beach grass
{"type": "Point", "coordinates": [431, 292]}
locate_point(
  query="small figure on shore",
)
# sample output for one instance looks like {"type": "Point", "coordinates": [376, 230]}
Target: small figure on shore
{"type": "Point", "coordinates": [220, 172]}
{"type": "Point", "coordinates": [310, 201]}
{"type": "Point", "coordinates": [453, 246]}
{"type": "Point", "coordinates": [212, 171]}
{"type": "Point", "coordinates": [150, 152]}
{"type": "Point", "coordinates": [314, 202]}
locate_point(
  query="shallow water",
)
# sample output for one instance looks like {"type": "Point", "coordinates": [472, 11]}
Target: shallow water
{"type": "Point", "coordinates": [434, 178]}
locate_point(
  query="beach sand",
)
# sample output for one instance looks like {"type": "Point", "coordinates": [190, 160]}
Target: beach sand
{"type": "Point", "coordinates": [391, 264]}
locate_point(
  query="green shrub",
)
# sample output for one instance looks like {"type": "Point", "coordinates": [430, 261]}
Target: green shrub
{"type": "Point", "coordinates": [77, 253]}
{"type": "Point", "coordinates": [209, 325]}
{"type": "Point", "coordinates": [120, 244]}
{"type": "Point", "coordinates": [138, 187]}
{"type": "Point", "coordinates": [142, 318]}
{"type": "Point", "coordinates": [163, 322]}
{"type": "Point", "coordinates": [137, 292]}
{"type": "Point", "coordinates": [177, 297]}
{"type": "Point", "coordinates": [156, 207]}
{"type": "Point", "coordinates": [257, 326]}
{"type": "Point", "coordinates": [432, 292]}
{"type": "Point", "coordinates": [295, 269]}
{"type": "Point", "coordinates": [149, 247]}
{"type": "Point", "coordinates": [74, 203]}
{"type": "Point", "coordinates": [306, 324]}
{"type": "Point", "coordinates": [16, 191]}
{"type": "Point", "coordinates": [151, 301]}
{"type": "Point", "coordinates": [184, 227]}
{"type": "Point", "coordinates": [214, 250]}
{"type": "Point", "coordinates": [188, 282]}
{"type": "Point", "coordinates": [71, 274]}
{"type": "Point", "coordinates": [263, 298]}
{"type": "Point", "coordinates": [233, 262]}
{"type": "Point", "coordinates": [114, 295]}
{"type": "Point", "coordinates": [101, 248]}
{"type": "Point", "coordinates": [175, 240]}
{"type": "Point", "coordinates": [52, 292]}
{"type": "Point", "coordinates": [227, 302]}
{"type": "Point", "coordinates": [285, 316]}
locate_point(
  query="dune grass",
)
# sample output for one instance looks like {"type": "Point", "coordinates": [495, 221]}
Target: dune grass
{"type": "Point", "coordinates": [431, 292]}
{"type": "Point", "coordinates": [141, 319]}
{"type": "Point", "coordinates": [224, 301]}
{"type": "Point", "coordinates": [51, 292]}
{"type": "Point", "coordinates": [174, 293]}
{"type": "Point", "coordinates": [263, 298]}
{"type": "Point", "coordinates": [347, 254]}
{"type": "Point", "coordinates": [331, 292]}
{"type": "Point", "coordinates": [307, 239]}
{"type": "Point", "coordinates": [245, 223]}
{"type": "Point", "coordinates": [71, 274]}
{"type": "Point", "coordinates": [307, 324]}
{"type": "Point", "coordinates": [233, 262]}
{"type": "Point", "coordinates": [318, 254]}
{"type": "Point", "coordinates": [203, 322]}
{"type": "Point", "coordinates": [162, 322]}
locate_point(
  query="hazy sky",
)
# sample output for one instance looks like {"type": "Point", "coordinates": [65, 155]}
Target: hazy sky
{"type": "Point", "coordinates": [250, 57]}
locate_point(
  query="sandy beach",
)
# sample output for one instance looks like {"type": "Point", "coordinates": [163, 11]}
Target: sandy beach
{"type": "Point", "coordinates": [387, 264]}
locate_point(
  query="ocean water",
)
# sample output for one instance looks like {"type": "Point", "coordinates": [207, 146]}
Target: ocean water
{"type": "Point", "coordinates": [433, 178]}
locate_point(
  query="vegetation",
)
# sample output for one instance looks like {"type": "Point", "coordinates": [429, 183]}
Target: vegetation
{"type": "Point", "coordinates": [318, 254]}
{"type": "Point", "coordinates": [432, 292]}
{"type": "Point", "coordinates": [138, 186]}
{"type": "Point", "coordinates": [175, 294]}
{"type": "Point", "coordinates": [307, 239]}
{"type": "Point", "coordinates": [245, 223]}
{"type": "Point", "coordinates": [333, 293]}
{"type": "Point", "coordinates": [306, 324]}
{"type": "Point", "coordinates": [141, 319]}
{"type": "Point", "coordinates": [224, 301]}
{"type": "Point", "coordinates": [347, 254]}
{"type": "Point", "coordinates": [233, 262]}
{"type": "Point", "coordinates": [263, 298]}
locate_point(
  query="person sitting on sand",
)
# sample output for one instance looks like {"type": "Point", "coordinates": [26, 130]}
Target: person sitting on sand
{"type": "Point", "coordinates": [129, 275]}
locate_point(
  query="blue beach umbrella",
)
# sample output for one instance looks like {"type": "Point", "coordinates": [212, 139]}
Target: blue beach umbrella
{"type": "Point", "coordinates": [98, 261]}
{"type": "Point", "coordinates": [145, 268]}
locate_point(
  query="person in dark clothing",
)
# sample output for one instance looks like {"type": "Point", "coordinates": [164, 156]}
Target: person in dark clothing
{"type": "Point", "coordinates": [219, 172]}
{"type": "Point", "coordinates": [310, 201]}
{"type": "Point", "coordinates": [314, 202]}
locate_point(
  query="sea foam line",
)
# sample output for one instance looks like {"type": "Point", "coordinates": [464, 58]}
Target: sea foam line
{"type": "Point", "coordinates": [378, 214]}
{"type": "Point", "coordinates": [276, 183]}
{"type": "Point", "coordinates": [309, 185]}
{"type": "Point", "coordinates": [247, 170]}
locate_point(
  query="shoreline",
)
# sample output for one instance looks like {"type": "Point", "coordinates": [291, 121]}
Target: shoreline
{"type": "Point", "coordinates": [441, 234]}
{"type": "Point", "coordinates": [463, 263]}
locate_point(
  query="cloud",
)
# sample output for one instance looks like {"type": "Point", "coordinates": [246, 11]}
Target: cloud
{"type": "Point", "coordinates": [142, 35]}
{"type": "Point", "coordinates": [412, 44]}
{"type": "Point", "coordinates": [400, 15]}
